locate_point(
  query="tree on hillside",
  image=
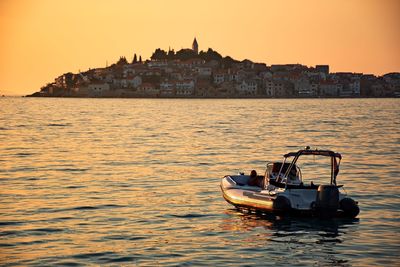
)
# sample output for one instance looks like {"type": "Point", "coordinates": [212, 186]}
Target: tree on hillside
{"type": "Point", "coordinates": [185, 54]}
{"type": "Point", "coordinates": [210, 55]}
{"type": "Point", "coordinates": [159, 54]}
{"type": "Point", "coordinates": [122, 61]}
{"type": "Point", "coordinates": [140, 59]}
{"type": "Point", "coordinates": [134, 59]}
{"type": "Point", "coordinates": [227, 62]}
{"type": "Point", "coordinates": [171, 54]}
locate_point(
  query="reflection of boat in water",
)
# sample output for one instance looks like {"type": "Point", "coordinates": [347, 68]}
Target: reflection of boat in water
{"type": "Point", "coordinates": [289, 229]}
{"type": "Point", "coordinates": [247, 220]}
{"type": "Point", "coordinates": [282, 191]}
{"type": "Point", "coordinates": [289, 241]}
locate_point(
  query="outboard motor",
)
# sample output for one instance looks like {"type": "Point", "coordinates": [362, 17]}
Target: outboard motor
{"type": "Point", "coordinates": [327, 202]}
{"type": "Point", "coordinates": [349, 207]}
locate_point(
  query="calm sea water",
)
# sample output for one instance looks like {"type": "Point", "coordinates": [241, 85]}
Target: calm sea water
{"type": "Point", "coordinates": [136, 181]}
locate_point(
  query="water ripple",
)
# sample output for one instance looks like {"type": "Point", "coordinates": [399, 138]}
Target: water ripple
{"type": "Point", "coordinates": [136, 181]}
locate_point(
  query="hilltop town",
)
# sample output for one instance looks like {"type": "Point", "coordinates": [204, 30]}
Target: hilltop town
{"type": "Point", "coordinates": [189, 73]}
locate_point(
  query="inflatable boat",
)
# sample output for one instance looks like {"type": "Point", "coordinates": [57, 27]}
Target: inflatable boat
{"type": "Point", "coordinates": [282, 190]}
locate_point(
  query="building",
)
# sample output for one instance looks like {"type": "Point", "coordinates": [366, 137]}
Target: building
{"type": "Point", "coordinates": [302, 87]}
{"type": "Point", "coordinates": [285, 67]}
{"type": "Point", "coordinates": [330, 88]}
{"type": "Point", "coordinates": [134, 81]}
{"type": "Point", "coordinates": [219, 76]}
{"type": "Point", "coordinates": [191, 63]}
{"type": "Point", "coordinates": [232, 75]}
{"type": "Point", "coordinates": [185, 88]}
{"type": "Point", "coordinates": [278, 88]}
{"type": "Point", "coordinates": [167, 88]}
{"type": "Point", "coordinates": [203, 88]}
{"type": "Point", "coordinates": [247, 87]}
{"type": "Point", "coordinates": [195, 46]}
{"type": "Point", "coordinates": [148, 89]}
{"type": "Point", "coordinates": [203, 71]}
{"type": "Point", "coordinates": [322, 68]}
{"type": "Point", "coordinates": [350, 88]}
{"type": "Point", "coordinates": [98, 88]}
{"type": "Point", "coordinates": [226, 89]}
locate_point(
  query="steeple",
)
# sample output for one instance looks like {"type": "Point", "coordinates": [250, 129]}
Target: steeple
{"type": "Point", "coordinates": [195, 46]}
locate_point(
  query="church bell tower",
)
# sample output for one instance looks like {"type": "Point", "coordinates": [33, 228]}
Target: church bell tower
{"type": "Point", "coordinates": [195, 46]}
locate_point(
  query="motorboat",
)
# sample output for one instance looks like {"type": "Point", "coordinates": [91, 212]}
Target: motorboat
{"type": "Point", "coordinates": [282, 190]}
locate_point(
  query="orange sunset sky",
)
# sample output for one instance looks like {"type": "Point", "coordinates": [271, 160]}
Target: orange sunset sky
{"type": "Point", "coordinates": [42, 39]}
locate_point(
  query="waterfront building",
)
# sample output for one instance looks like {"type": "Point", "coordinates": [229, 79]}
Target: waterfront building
{"type": "Point", "coordinates": [81, 91]}
{"type": "Point", "coordinates": [185, 88]}
{"type": "Point", "coordinates": [148, 89]}
{"type": "Point", "coordinates": [393, 82]}
{"type": "Point", "coordinates": [247, 87]}
{"type": "Point", "coordinates": [330, 88]}
{"type": "Point", "coordinates": [302, 88]}
{"type": "Point", "coordinates": [227, 89]}
{"type": "Point", "coordinates": [350, 88]}
{"type": "Point", "coordinates": [203, 88]}
{"type": "Point", "coordinates": [98, 88]}
{"type": "Point", "coordinates": [167, 88]}
{"type": "Point", "coordinates": [278, 88]}
{"type": "Point", "coordinates": [314, 85]}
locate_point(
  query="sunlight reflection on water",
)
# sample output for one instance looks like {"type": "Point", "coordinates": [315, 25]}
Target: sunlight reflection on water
{"type": "Point", "coordinates": [136, 181]}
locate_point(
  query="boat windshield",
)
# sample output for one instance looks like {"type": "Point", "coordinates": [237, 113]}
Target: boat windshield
{"type": "Point", "coordinates": [318, 166]}
{"type": "Point", "coordinates": [315, 169]}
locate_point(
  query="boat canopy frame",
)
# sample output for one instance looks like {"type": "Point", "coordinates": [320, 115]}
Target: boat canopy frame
{"type": "Point", "coordinates": [335, 161]}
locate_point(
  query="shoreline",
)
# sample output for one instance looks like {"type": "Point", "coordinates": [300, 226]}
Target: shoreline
{"type": "Point", "coordinates": [208, 97]}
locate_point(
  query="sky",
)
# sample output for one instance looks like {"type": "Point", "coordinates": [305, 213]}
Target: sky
{"type": "Point", "coordinates": [42, 39]}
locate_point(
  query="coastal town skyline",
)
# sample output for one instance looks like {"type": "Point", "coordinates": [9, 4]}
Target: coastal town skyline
{"type": "Point", "coordinates": [190, 73]}
{"type": "Point", "coordinates": [356, 36]}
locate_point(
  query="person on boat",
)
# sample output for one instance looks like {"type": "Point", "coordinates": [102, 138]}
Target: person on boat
{"type": "Point", "coordinates": [255, 180]}
{"type": "Point", "coordinates": [293, 177]}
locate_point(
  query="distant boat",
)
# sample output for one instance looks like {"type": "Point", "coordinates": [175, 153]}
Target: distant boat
{"type": "Point", "coordinates": [282, 190]}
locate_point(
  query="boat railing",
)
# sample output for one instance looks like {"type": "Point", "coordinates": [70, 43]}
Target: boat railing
{"type": "Point", "coordinates": [283, 172]}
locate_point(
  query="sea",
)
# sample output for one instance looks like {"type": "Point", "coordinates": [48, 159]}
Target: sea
{"type": "Point", "coordinates": [136, 182]}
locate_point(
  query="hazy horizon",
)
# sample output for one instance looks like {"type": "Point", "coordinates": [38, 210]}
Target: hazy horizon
{"type": "Point", "coordinates": [44, 39]}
